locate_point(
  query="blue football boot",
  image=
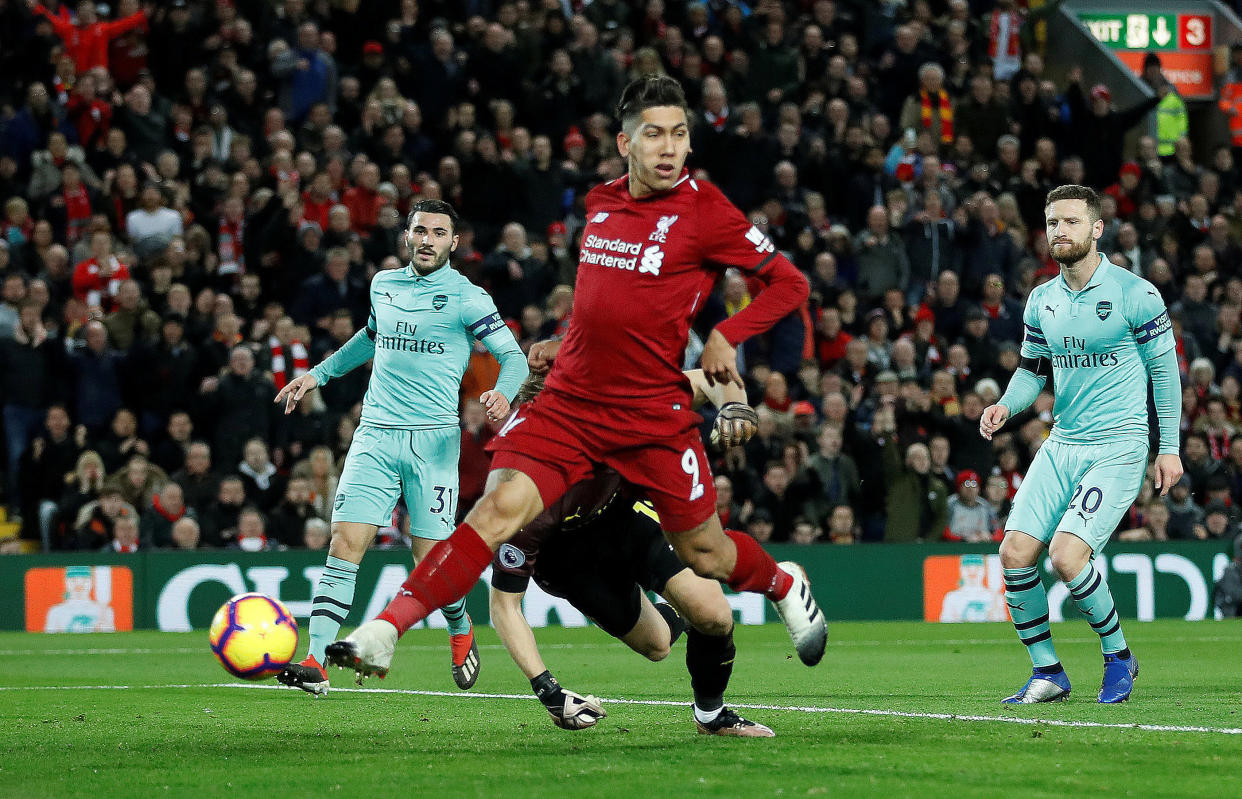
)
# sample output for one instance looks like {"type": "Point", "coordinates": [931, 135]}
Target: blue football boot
{"type": "Point", "coordinates": [1118, 679]}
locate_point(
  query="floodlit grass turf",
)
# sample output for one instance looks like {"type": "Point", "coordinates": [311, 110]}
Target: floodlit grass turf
{"type": "Point", "coordinates": [212, 741]}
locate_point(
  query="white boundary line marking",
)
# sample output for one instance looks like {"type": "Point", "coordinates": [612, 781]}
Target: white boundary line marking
{"type": "Point", "coordinates": [189, 650]}
{"type": "Point", "coordinates": [671, 703]}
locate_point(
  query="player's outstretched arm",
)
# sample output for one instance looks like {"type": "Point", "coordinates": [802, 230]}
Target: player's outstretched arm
{"type": "Point", "coordinates": [354, 353]}
{"type": "Point", "coordinates": [515, 632]}
{"type": "Point", "coordinates": [569, 710]}
{"type": "Point", "coordinates": [542, 354]}
{"type": "Point", "coordinates": [1166, 392]}
{"type": "Point", "coordinates": [484, 323]}
{"type": "Point", "coordinates": [736, 421]}
{"type": "Point", "coordinates": [295, 389]}
{"type": "Point", "coordinates": [992, 420]}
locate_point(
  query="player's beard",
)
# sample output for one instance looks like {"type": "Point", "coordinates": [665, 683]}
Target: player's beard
{"type": "Point", "coordinates": [440, 261]}
{"type": "Point", "coordinates": [1076, 252]}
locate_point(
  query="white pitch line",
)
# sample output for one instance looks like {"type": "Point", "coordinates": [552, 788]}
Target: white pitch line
{"type": "Point", "coordinates": [185, 650]}
{"type": "Point", "coordinates": [904, 714]}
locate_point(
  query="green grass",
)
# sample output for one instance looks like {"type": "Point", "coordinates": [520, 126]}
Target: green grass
{"type": "Point", "coordinates": [200, 739]}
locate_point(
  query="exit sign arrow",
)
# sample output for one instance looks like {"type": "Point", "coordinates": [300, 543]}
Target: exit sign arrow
{"type": "Point", "coordinates": [1162, 35]}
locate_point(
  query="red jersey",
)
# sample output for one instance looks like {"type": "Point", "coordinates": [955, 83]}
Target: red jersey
{"type": "Point", "coordinates": [89, 45]}
{"type": "Point", "coordinates": [644, 270]}
{"type": "Point", "coordinates": [92, 289]}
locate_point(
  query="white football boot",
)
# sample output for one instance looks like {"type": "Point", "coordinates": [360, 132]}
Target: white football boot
{"type": "Point", "coordinates": [367, 650]}
{"type": "Point", "coordinates": [802, 616]}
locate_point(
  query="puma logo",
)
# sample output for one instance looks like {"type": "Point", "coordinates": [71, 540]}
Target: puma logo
{"type": "Point", "coordinates": [1050, 310]}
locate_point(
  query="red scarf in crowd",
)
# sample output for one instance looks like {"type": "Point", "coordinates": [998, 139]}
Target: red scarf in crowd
{"type": "Point", "coordinates": [1012, 46]}
{"type": "Point", "coordinates": [280, 369]}
{"type": "Point", "coordinates": [946, 114]}
{"type": "Point", "coordinates": [77, 212]}
{"type": "Point", "coordinates": [232, 260]}
{"type": "Point", "coordinates": [168, 515]}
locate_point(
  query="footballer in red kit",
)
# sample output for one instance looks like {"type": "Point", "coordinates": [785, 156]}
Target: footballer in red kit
{"type": "Point", "coordinates": [655, 244]}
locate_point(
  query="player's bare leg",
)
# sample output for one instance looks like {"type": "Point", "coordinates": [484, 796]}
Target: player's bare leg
{"type": "Point", "coordinates": [1071, 558]}
{"type": "Point", "coordinates": [333, 598]}
{"type": "Point", "coordinates": [738, 560]}
{"type": "Point", "coordinates": [709, 655]}
{"type": "Point", "coordinates": [448, 572]}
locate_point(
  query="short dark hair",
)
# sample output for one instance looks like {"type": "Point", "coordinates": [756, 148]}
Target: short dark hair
{"type": "Point", "coordinates": [1073, 191]}
{"type": "Point", "coordinates": [433, 207]}
{"type": "Point", "coordinates": [650, 92]}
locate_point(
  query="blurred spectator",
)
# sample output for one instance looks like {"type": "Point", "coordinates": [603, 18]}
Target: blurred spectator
{"type": "Point", "coordinates": [125, 537]}
{"type": "Point", "coordinates": [93, 525]}
{"type": "Point", "coordinates": [917, 500]}
{"type": "Point", "coordinates": [291, 517]}
{"type": "Point", "coordinates": [1227, 593]}
{"type": "Point", "coordinates": [160, 519]}
{"type": "Point", "coordinates": [971, 519]}
{"type": "Point", "coordinates": [186, 533]}
{"type": "Point", "coordinates": [315, 535]}
{"type": "Point", "coordinates": [252, 531]}
{"type": "Point", "coordinates": [219, 519]}
{"type": "Point", "coordinates": [240, 404]}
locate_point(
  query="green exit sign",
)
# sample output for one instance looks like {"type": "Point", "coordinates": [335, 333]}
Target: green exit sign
{"type": "Point", "coordinates": [1133, 31]}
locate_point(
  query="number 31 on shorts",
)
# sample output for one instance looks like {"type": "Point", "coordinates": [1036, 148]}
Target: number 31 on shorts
{"type": "Point", "coordinates": [690, 465]}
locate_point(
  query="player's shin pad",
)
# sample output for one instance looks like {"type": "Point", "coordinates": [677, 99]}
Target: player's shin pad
{"type": "Point", "coordinates": [334, 595]}
{"type": "Point", "coordinates": [447, 574]}
{"type": "Point", "coordinates": [709, 659]}
{"type": "Point", "coordinates": [1028, 607]}
{"type": "Point", "coordinates": [1093, 599]}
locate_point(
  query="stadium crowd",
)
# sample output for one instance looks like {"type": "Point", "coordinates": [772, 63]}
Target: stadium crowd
{"type": "Point", "coordinates": [196, 194]}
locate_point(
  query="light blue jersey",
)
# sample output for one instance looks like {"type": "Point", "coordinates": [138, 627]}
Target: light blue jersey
{"type": "Point", "coordinates": [1100, 341]}
{"type": "Point", "coordinates": [421, 332]}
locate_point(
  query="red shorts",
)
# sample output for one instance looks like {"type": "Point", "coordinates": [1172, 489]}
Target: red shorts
{"type": "Point", "coordinates": [557, 440]}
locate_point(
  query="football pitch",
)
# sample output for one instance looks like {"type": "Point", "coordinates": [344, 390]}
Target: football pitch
{"type": "Point", "coordinates": [895, 709]}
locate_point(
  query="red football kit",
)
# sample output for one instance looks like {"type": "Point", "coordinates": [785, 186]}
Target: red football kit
{"type": "Point", "coordinates": [616, 394]}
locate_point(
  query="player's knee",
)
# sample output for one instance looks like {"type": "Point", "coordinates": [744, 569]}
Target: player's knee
{"type": "Point", "coordinates": [346, 545]}
{"type": "Point", "coordinates": [657, 651]}
{"type": "Point", "coordinates": [715, 625]}
{"type": "Point", "coordinates": [707, 563]}
{"type": "Point", "coordinates": [502, 512]}
{"type": "Point", "coordinates": [1015, 556]}
{"type": "Point", "coordinates": [1066, 563]}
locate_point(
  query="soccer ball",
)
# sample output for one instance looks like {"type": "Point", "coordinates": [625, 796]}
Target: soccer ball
{"type": "Point", "coordinates": [253, 636]}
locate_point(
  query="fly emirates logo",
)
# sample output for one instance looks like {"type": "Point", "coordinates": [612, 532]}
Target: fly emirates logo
{"type": "Point", "coordinates": [629, 255]}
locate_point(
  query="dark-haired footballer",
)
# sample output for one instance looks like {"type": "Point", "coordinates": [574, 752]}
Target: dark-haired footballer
{"type": "Point", "coordinates": [424, 321]}
{"type": "Point", "coordinates": [655, 243]}
{"type": "Point", "coordinates": [600, 546]}
{"type": "Point", "coordinates": [1102, 334]}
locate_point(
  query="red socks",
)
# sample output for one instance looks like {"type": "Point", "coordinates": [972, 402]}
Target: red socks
{"type": "Point", "coordinates": [447, 574]}
{"type": "Point", "coordinates": [755, 569]}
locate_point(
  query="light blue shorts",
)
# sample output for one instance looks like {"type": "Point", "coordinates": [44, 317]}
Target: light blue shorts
{"type": "Point", "coordinates": [384, 465]}
{"type": "Point", "coordinates": [1082, 489]}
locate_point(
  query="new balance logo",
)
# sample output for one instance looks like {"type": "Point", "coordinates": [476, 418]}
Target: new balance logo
{"type": "Point", "coordinates": [513, 422]}
{"type": "Point", "coordinates": [600, 217]}
{"type": "Point", "coordinates": [762, 244]}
